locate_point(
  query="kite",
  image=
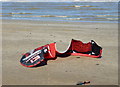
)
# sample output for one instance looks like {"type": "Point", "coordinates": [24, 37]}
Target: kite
{"type": "Point", "coordinates": [49, 51]}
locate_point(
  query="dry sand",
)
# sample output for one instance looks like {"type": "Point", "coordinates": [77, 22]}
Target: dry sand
{"type": "Point", "coordinates": [21, 36]}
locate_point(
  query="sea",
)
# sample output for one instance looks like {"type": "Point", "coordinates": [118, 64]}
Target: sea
{"type": "Point", "coordinates": [100, 12]}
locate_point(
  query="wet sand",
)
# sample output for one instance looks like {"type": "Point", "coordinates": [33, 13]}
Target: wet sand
{"type": "Point", "coordinates": [20, 36]}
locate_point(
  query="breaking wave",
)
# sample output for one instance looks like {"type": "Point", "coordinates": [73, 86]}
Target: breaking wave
{"type": "Point", "coordinates": [98, 19]}
{"type": "Point", "coordinates": [17, 13]}
{"type": "Point", "coordinates": [82, 6]}
{"type": "Point", "coordinates": [107, 15]}
{"type": "Point", "coordinates": [108, 18]}
{"type": "Point", "coordinates": [39, 16]}
{"type": "Point", "coordinates": [75, 19]}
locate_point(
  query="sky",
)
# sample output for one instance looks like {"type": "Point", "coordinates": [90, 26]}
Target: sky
{"type": "Point", "coordinates": [59, 0]}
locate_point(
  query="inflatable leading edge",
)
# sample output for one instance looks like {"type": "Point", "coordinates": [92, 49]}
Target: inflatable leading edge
{"type": "Point", "coordinates": [49, 51]}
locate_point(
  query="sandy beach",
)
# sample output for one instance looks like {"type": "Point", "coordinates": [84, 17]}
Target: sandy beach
{"type": "Point", "coordinates": [20, 36]}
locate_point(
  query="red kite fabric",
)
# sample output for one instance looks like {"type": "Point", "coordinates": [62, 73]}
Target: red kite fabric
{"type": "Point", "coordinates": [49, 51]}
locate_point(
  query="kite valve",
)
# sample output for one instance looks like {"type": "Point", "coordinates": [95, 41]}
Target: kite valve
{"type": "Point", "coordinates": [45, 50]}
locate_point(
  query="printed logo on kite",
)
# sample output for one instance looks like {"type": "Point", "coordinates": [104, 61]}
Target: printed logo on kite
{"type": "Point", "coordinates": [32, 59]}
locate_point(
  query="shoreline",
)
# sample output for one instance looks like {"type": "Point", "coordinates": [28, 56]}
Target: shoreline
{"type": "Point", "coordinates": [57, 21]}
{"type": "Point", "coordinates": [21, 36]}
